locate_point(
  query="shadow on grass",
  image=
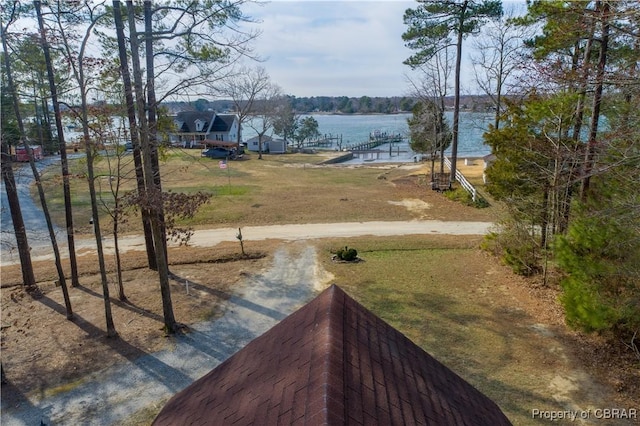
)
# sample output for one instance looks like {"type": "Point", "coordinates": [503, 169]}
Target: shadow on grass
{"type": "Point", "coordinates": [481, 343]}
{"type": "Point", "coordinates": [236, 300]}
{"type": "Point", "coordinates": [87, 393]}
{"type": "Point", "coordinates": [124, 305]}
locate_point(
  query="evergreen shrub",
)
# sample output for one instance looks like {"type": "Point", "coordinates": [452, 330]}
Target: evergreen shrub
{"type": "Point", "coordinates": [347, 254]}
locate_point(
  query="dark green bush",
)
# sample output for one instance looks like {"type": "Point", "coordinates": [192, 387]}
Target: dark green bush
{"type": "Point", "coordinates": [514, 244]}
{"type": "Point", "coordinates": [347, 254]}
{"type": "Point", "coordinates": [600, 258]}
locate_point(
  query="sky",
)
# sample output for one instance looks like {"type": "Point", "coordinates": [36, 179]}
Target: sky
{"type": "Point", "coordinates": [340, 47]}
{"type": "Point", "coordinates": [336, 47]}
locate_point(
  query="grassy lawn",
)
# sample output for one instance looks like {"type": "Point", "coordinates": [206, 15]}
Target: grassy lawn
{"type": "Point", "coordinates": [279, 189]}
{"type": "Point", "coordinates": [468, 312]}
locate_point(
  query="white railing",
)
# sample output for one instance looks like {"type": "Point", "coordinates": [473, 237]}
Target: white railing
{"type": "Point", "coordinates": [463, 181]}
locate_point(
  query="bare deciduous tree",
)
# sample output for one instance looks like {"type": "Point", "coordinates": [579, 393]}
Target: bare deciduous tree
{"type": "Point", "coordinates": [83, 69]}
{"type": "Point", "coordinates": [498, 56]}
{"type": "Point", "coordinates": [431, 90]}
{"type": "Point", "coordinates": [265, 111]}
{"type": "Point", "coordinates": [244, 87]}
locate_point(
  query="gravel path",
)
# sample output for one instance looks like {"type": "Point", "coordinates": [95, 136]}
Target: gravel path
{"type": "Point", "coordinates": [295, 232]}
{"type": "Point", "coordinates": [109, 397]}
{"type": "Point", "coordinates": [32, 215]}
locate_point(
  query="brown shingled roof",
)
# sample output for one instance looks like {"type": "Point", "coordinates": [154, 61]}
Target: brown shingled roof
{"type": "Point", "coordinates": [332, 362]}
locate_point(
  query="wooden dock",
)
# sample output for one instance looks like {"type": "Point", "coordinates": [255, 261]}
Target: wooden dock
{"type": "Point", "coordinates": [325, 141]}
{"type": "Point", "coordinates": [375, 140]}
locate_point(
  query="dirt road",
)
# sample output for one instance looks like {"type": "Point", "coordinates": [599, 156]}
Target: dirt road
{"type": "Point", "coordinates": [211, 237]}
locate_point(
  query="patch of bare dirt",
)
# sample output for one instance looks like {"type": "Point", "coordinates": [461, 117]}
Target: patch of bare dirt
{"type": "Point", "coordinates": [414, 205]}
{"type": "Point", "coordinates": [415, 187]}
{"type": "Point", "coordinates": [36, 359]}
{"type": "Point", "coordinates": [598, 360]}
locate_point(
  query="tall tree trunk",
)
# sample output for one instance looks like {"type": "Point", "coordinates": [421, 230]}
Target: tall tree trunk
{"type": "Point", "coordinates": [583, 73]}
{"type": "Point", "coordinates": [28, 278]}
{"type": "Point", "coordinates": [63, 151]}
{"type": "Point", "coordinates": [597, 100]}
{"type": "Point", "coordinates": [95, 214]}
{"type": "Point", "coordinates": [79, 75]}
{"type": "Point", "coordinates": [135, 140]}
{"type": "Point", "coordinates": [153, 199]}
{"type": "Point", "coordinates": [582, 94]}
{"type": "Point", "coordinates": [38, 119]}
{"type": "Point", "coordinates": [499, 84]}
{"type": "Point", "coordinates": [52, 235]}
{"type": "Point", "coordinates": [456, 99]}
{"type": "Point", "coordinates": [440, 142]}
{"type": "Point", "coordinates": [159, 228]}
{"type": "Point", "coordinates": [47, 123]}
{"type": "Point", "coordinates": [544, 225]}
{"type": "Point", "coordinates": [564, 199]}
{"type": "Point", "coordinates": [116, 249]}
{"type": "Point", "coordinates": [152, 108]}
{"type": "Point", "coordinates": [36, 176]}
{"type": "Point", "coordinates": [90, 155]}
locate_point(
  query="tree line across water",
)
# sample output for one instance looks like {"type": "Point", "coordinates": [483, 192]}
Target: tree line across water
{"type": "Point", "coordinates": [339, 104]}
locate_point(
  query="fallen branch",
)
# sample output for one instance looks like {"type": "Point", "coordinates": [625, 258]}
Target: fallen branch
{"type": "Point", "coordinates": [632, 345]}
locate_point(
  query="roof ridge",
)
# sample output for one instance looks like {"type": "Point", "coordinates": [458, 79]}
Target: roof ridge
{"type": "Point", "coordinates": [325, 405]}
{"type": "Point", "coordinates": [334, 358]}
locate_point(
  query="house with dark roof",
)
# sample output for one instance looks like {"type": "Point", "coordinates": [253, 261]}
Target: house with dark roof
{"type": "Point", "coordinates": [332, 362]}
{"type": "Point", "coordinates": [193, 127]}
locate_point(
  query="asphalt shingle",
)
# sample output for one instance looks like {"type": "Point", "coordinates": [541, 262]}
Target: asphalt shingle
{"type": "Point", "coordinates": [332, 362]}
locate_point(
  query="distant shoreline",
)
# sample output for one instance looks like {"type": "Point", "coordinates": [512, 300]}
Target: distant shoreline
{"type": "Point", "coordinates": [354, 113]}
{"type": "Point", "coordinates": [383, 113]}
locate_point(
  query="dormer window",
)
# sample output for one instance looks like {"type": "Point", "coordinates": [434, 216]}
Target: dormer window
{"type": "Point", "coordinates": [200, 125]}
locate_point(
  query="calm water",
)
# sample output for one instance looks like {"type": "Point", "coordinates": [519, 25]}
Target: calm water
{"type": "Point", "coordinates": [356, 129]}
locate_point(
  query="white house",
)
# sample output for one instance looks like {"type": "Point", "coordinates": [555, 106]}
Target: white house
{"type": "Point", "coordinates": [269, 144]}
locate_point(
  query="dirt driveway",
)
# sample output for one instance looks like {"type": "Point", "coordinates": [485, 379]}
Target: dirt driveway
{"type": "Point", "coordinates": [114, 395]}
